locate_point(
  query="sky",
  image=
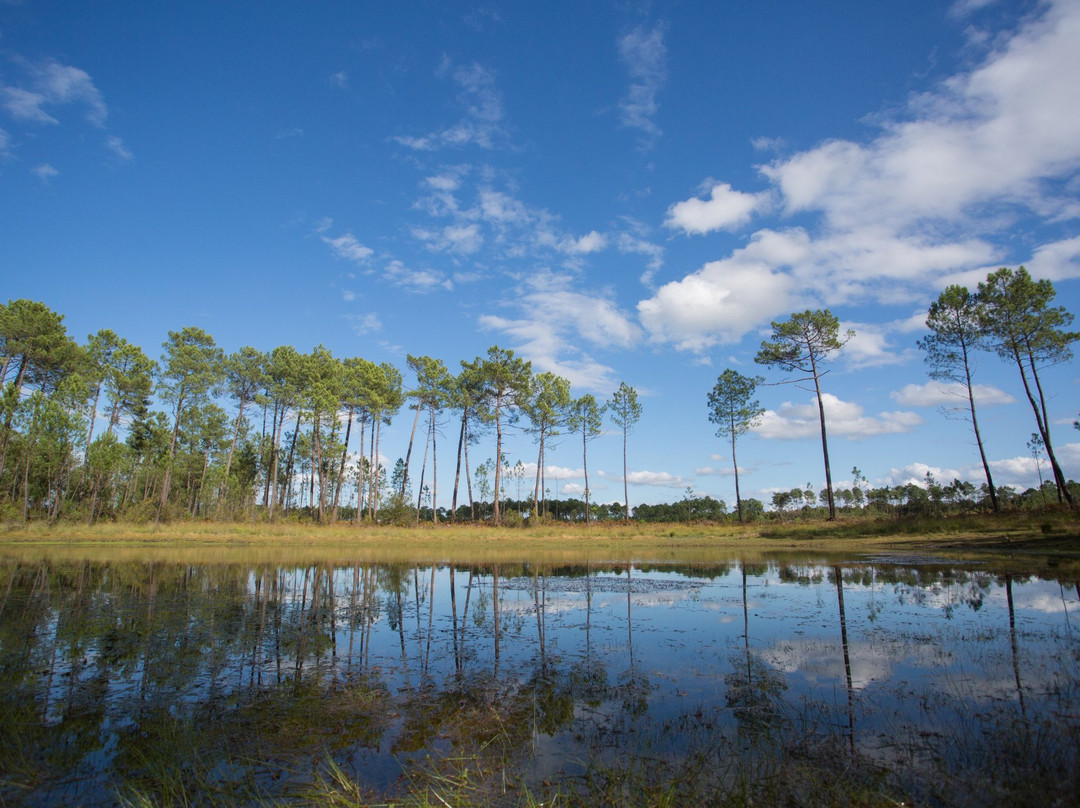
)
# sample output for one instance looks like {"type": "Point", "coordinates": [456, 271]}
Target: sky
{"type": "Point", "coordinates": [616, 190]}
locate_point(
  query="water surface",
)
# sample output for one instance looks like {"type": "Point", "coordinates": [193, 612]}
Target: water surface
{"type": "Point", "coordinates": [148, 679]}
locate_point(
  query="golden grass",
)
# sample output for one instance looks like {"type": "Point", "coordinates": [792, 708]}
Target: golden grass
{"type": "Point", "coordinates": [1052, 532]}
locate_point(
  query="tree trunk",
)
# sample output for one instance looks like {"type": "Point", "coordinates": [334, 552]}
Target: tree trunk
{"type": "Point", "coordinates": [585, 467]}
{"type": "Point", "coordinates": [626, 494]}
{"type": "Point", "coordinates": [341, 469]}
{"type": "Point", "coordinates": [975, 427]}
{"type": "Point", "coordinates": [172, 454]}
{"type": "Point", "coordinates": [408, 454]}
{"type": "Point", "coordinates": [735, 465]}
{"type": "Point", "coordinates": [498, 458]}
{"type": "Point", "coordinates": [457, 471]}
{"type": "Point", "coordinates": [824, 441]}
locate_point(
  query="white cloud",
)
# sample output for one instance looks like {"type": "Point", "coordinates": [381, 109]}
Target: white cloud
{"type": "Point", "coordinates": [340, 80]}
{"type": "Point", "coordinates": [709, 471]}
{"type": "Point", "coordinates": [645, 55]}
{"type": "Point", "coordinates": [117, 147]}
{"type": "Point", "coordinates": [482, 104]}
{"type": "Point", "coordinates": [416, 280]}
{"type": "Point", "coordinates": [725, 299]}
{"type": "Point", "coordinates": [24, 105]}
{"type": "Point", "coordinates": [950, 394]}
{"type": "Point", "coordinates": [633, 245]}
{"type": "Point", "coordinates": [870, 347]}
{"type": "Point", "coordinates": [917, 206]}
{"type": "Point", "coordinates": [725, 209]}
{"type": "Point", "coordinates": [589, 243]}
{"type": "Point", "coordinates": [915, 474]}
{"type": "Point", "coordinates": [365, 323]}
{"type": "Point", "coordinates": [348, 247]}
{"type": "Point", "coordinates": [663, 479]}
{"type": "Point", "coordinates": [842, 419]}
{"type": "Point", "coordinates": [462, 239]}
{"type": "Point", "coordinates": [1056, 261]}
{"type": "Point", "coordinates": [53, 85]}
{"type": "Point", "coordinates": [44, 172]}
{"type": "Point", "coordinates": [556, 320]}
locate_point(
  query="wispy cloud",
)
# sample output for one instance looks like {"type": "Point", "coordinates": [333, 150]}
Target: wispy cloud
{"type": "Point", "coordinates": [556, 323]}
{"type": "Point", "coordinates": [644, 54]}
{"type": "Point", "coordinates": [482, 105]}
{"type": "Point", "coordinates": [346, 246]}
{"type": "Point", "coordinates": [117, 147]}
{"type": "Point", "coordinates": [44, 172]}
{"type": "Point", "coordinates": [364, 323]}
{"type": "Point", "coordinates": [51, 84]}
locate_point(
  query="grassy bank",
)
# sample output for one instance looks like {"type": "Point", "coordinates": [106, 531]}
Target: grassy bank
{"type": "Point", "coordinates": [1054, 534]}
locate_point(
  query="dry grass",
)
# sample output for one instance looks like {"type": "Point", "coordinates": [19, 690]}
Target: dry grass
{"type": "Point", "coordinates": [1054, 534]}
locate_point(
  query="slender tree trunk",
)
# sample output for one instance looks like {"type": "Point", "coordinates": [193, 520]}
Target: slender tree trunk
{"type": "Point", "coordinates": [498, 459]}
{"type": "Point", "coordinates": [375, 473]}
{"type": "Point", "coordinates": [232, 448]}
{"type": "Point", "coordinates": [975, 427]}
{"type": "Point", "coordinates": [539, 466]}
{"type": "Point", "coordinates": [468, 479]}
{"type": "Point", "coordinates": [824, 441]}
{"type": "Point", "coordinates": [289, 463]}
{"type": "Point", "coordinates": [735, 465]}
{"type": "Point", "coordinates": [434, 473]}
{"type": "Point", "coordinates": [1059, 477]}
{"type": "Point", "coordinates": [89, 434]}
{"type": "Point", "coordinates": [626, 494]}
{"type": "Point", "coordinates": [360, 468]}
{"type": "Point", "coordinates": [585, 466]}
{"type": "Point", "coordinates": [1040, 419]}
{"type": "Point", "coordinates": [457, 471]}
{"type": "Point", "coordinates": [408, 454]}
{"type": "Point", "coordinates": [167, 483]}
{"type": "Point", "coordinates": [341, 469]}
{"type": "Point", "coordinates": [423, 469]}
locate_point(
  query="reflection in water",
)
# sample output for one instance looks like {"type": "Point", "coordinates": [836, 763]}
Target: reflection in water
{"type": "Point", "coordinates": [272, 681]}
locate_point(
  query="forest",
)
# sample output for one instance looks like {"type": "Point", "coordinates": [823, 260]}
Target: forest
{"type": "Point", "coordinates": [99, 430]}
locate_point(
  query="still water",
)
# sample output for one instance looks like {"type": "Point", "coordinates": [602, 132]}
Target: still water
{"type": "Point", "coordinates": [155, 681]}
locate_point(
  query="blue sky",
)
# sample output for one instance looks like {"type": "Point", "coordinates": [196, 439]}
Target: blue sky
{"type": "Point", "coordinates": [619, 191]}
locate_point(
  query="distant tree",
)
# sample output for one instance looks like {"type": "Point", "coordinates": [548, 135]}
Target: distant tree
{"type": "Point", "coordinates": [33, 343]}
{"type": "Point", "coordinates": [625, 412]}
{"type": "Point", "coordinates": [546, 408]}
{"type": "Point", "coordinates": [1016, 315]}
{"type": "Point", "coordinates": [734, 410]}
{"type": "Point", "coordinates": [244, 373]}
{"type": "Point", "coordinates": [506, 380]}
{"type": "Point", "coordinates": [190, 369]}
{"type": "Point", "coordinates": [586, 418]}
{"type": "Point", "coordinates": [799, 345]}
{"type": "Point", "coordinates": [467, 395]}
{"type": "Point", "coordinates": [955, 333]}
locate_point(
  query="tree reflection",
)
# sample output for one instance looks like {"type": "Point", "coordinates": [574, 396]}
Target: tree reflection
{"type": "Point", "coordinates": [209, 682]}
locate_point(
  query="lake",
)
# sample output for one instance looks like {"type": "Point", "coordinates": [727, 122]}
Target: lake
{"type": "Point", "coordinates": [298, 677]}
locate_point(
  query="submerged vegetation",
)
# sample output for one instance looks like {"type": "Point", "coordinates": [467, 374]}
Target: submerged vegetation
{"type": "Point", "coordinates": [153, 681]}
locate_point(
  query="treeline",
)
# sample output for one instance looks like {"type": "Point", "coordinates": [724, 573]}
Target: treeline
{"type": "Point", "coordinates": [262, 435]}
{"type": "Point", "coordinates": [1010, 314]}
{"type": "Point", "coordinates": [265, 435]}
